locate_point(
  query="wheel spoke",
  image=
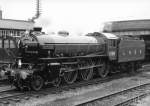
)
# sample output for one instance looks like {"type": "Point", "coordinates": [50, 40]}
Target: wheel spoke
{"type": "Point", "coordinates": [70, 77]}
{"type": "Point", "coordinates": [87, 74]}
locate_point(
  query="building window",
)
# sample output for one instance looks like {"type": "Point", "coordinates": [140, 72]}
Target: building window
{"type": "Point", "coordinates": [12, 45]}
{"type": "Point", "coordinates": [0, 43]}
{"type": "Point", "coordinates": [11, 33]}
{"type": "Point", "coordinates": [6, 43]}
{"type": "Point", "coordinates": [15, 33]}
{"type": "Point", "coordinates": [0, 33]}
{"type": "Point", "coordinates": [6, 32]}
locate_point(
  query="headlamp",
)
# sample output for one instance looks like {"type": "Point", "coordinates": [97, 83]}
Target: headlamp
{"type": "Point", "coordinates": [19, 63]}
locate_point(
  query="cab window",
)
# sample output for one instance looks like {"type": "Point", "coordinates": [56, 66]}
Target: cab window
{"type": "Point", "coordinates": [112, 43]}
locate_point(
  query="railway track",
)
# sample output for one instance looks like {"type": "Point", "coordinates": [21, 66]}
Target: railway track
{"type": "Point", "coordinates": [11, 96]}
{"type": "Point", "coordinates": [121, 98]}
{"type": "Point", "coordinates": [95, 81]}
{"type": "Point", "coordinates": [4, 82]}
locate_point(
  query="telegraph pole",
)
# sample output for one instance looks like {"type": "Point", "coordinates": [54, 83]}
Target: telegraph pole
{"type": "Point", "coordinates": [38, 10]}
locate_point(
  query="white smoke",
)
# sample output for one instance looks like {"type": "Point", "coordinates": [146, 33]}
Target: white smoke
{"type": "Point", "coordinates": [42, 22]}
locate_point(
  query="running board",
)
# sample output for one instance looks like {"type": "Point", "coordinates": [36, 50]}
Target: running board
{"type": "Point", "coordinates": [82, 68]}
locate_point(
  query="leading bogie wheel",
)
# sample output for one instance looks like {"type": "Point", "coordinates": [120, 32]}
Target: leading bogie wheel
{"type": "Point", "coordinates": [103, 70]}
{"type": "Point", "coordinates": [37, 82]}
{"type": "Point", "coordinates": [18, 85]}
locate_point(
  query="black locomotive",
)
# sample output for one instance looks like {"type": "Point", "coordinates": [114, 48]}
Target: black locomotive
{"type": "Point", "coordinates": [44, 58]}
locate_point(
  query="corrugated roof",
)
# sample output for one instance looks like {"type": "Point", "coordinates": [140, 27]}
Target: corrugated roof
{"type": "Point", "coordinates": [128, 25]}
{"type": "Point", "coordinates": [16, 24]}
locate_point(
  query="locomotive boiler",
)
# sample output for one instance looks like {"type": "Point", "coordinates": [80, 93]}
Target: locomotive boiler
{"type": "Point", "coordinates": [54, 46]}
{"type": "Point", "coordinates": [54, 58]}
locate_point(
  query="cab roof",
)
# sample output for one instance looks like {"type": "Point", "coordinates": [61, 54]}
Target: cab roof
{"type": "Point", "coordinates": [109, 36]}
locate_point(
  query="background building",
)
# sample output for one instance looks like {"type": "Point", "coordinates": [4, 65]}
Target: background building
{"type": "Point", "coordinates": [9, 27]}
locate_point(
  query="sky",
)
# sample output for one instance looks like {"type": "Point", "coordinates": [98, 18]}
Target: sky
{"type": "Point", "coordinates": [79, 16]}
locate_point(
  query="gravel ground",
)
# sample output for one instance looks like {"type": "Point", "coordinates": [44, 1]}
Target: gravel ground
{"type": "Point", "coordinates": [47, 100]}
{"type": "Point", "coordinates": [144, 102]}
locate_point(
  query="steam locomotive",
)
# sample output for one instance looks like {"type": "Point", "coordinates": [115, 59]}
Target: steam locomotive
{"type": "Point", "coordinates": [51, 58]}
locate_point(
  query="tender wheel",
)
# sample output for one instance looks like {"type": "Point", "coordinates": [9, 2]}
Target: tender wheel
{"type": "Point", "coordinates": [131, 68]}
{"type": "Point", "coordinates": [70, 77]}
{"type": "Point", "coordinates": [37, 82]}
{"type": "Point", "coordinates": [87, 74]}
{"type": "Point", "coordinates": [103, 70]}
{"type": "Point", "coordinates": [138, 65]}
{"type": "Point", "coordinates": [57, 82]}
